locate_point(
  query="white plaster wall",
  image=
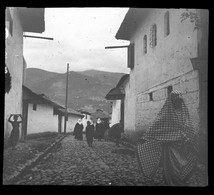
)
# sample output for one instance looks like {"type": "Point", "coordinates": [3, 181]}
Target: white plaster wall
{"type": "Point", "coordinates": [116, 110]}
{"type": "Point", "coordinates": [129, 108]}
{"type": "Point", "coordinates": [14, 62]}
{"type": "Point", "coordinates": [42, 119]}
{"type": "Point", "coordinates": [170, 57]}
{"type": "Point", "coordinates": [168, 63]}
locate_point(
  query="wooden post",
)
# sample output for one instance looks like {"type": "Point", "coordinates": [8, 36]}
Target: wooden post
{"type": "Point", "coordinates": [59, 123]}
{"type": "Point", "coordinates": [24, 120]}
{"type": "Point", "coordinates": [37, 37]}
{"type": "Point", "coordinates": [66, 99]}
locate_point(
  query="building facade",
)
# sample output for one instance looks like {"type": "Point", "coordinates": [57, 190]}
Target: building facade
{"type": "Point", "coordinates": [17, 21]}
{"type": "Point", "coordinates": [121, 99]}
{"type": "Point", "coordinates": [40, 114]}
{"type": "Point", "coordinates": [41, 118]}
{"type": "Point", "coordinates": [166, 53]}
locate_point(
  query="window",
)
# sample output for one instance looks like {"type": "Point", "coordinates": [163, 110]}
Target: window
{"type": "Point", "coordinates": [145, 44]}
{"type": "Point", "coordinates": [166, 24]}
{"type": "Point", "coordinates": [131, 56]}
{"type": "Point", "coordinates": [55, 111]}
{"type": "Point", "coordinates": [34, 106]}
{"type": "Point", "coordinates": [153, 35]}
{"type": "Point", "coordinates": [169, 89]}
{"type": "Point", "coordinates": [151, 96]}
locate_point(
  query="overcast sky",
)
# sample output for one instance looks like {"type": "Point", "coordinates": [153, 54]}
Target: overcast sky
{"type": "Point", "coordinates": [80, 37]}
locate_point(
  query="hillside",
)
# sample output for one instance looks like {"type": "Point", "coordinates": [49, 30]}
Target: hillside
{"type": "Point", "coordinates": [86, 90]}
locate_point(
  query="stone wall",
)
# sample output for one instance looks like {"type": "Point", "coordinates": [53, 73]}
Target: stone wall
{"type": "Point", "coordinates": [147, 110]}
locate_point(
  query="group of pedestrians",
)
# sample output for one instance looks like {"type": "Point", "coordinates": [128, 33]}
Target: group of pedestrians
{"type": "Point", "coordinates": [100, 130]}
{"type": "Point", "coordinates": [92, 131]}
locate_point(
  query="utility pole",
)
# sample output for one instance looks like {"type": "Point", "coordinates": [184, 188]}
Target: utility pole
{"type": "Point", "coordinates": [66, 99]}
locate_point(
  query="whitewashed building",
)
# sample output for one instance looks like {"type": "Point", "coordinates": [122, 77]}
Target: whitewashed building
{"type": "Point", "coordinates": [44, 115]}
{"type": "Point", "coordinates": [119, 98]}
{"type": "Point", "coordinates": [17, 21]}
{"type": "Point", "coordinates": [39, 113]}
{"type": "Point", "coordinates": [168, 51]}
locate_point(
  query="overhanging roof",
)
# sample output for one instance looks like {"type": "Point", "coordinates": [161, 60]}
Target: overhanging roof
{"type": "Point", "coordinates": [118, 92]}
{"type": "Point", "coordinates": [71, 112]}
{"type": "Point", "coordinates": [32, 19]}
{"type": "Point", "coordinates": [130, 21]}
{"type": "Point", "coordinates": [32, 97]}
{"type": "Point", "coordinates": [115, 94]}
{"type": "Point", "coordinates": [122, 79]}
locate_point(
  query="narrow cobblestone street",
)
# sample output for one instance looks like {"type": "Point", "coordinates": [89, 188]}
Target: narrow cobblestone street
{"type": "Point", "coordinates": [74, 163]}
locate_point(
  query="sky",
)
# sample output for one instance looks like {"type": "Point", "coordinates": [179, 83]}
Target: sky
{"type": "Point", "coordinates": [80, 37]}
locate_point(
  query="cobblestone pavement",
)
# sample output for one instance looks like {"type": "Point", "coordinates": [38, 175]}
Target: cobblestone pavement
{"type": "Point", "coordinates": [74, 163]}
{"type": "Point", "coordinates": [25, 153]}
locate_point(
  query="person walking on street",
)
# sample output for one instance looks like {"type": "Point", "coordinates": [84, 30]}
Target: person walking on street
{"type": "Point", "coordinates": [99, 129]}
{"type": "Point", "coordinates": [89, 133]}
{"type": "Point", "coordinates": [78, 130]}
{"type": "Point", "coordinates": [105, 129]}
{"type": "Point", "coordinates": [115, 132]}
{"type": "Point", "coordinates": [14, 136]}
{"type": "Point", "coordinates": [171, 143]}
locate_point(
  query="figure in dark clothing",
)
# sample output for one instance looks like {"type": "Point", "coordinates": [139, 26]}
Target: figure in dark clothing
{"type": "Point", "coordinates": [14, 136]}
{"type": "Point", "coordinates": [115, 132]}
{"type": "Point", "coordinates": [89, 133]}
{"type": "Point", "coordinates": [105, 129]}
{"type": "Point", "coordinates": [78, 130]}
{"type": "Point", "coordinates": [99, 129]}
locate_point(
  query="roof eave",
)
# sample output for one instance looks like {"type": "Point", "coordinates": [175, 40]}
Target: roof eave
{"type": "Point", "coordinates": [130, 21]}
{"type": "Point", "coordinates": [115, 94]}
{"type": "Point", "coordinates": [32, 19]}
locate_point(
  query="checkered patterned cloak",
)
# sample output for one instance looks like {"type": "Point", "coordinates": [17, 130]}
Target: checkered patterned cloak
{"type": "Point", "coordinates": [170, 142]}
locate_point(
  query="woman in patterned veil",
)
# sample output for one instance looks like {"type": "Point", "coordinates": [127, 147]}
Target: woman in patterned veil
{"type": "Point", "coordinates": [170, 142]}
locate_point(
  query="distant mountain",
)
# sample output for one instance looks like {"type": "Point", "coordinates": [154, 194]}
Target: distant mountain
{"type": "Point", "coordinates": [105, 77]}
{"type": "Point", "coordinates": [86, 89]}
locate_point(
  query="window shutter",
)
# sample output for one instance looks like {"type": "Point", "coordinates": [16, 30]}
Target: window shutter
{"type": "Point", "coordinates": [153, 35]}
{"type": "Point", "coordinates": [131, 56]}
{"type": "Point", "coordinates": [166, 24]}
{"type": "Point", "coordinates": [145, 44]}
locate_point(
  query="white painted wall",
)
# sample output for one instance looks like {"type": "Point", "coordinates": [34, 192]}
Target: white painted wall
{"type": "Point", "coordinates": [171, 56]}
{"type": "Point", "coordinates": [116, 109]}
{"type": "Point", "coordinates": [42, 119]}
{"type": "Point", "coordinates": [129, 107]}
{"type": "Point", "coordinates": [168, 63]}
{"type": "Point", "coordinates": [14, 62]}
